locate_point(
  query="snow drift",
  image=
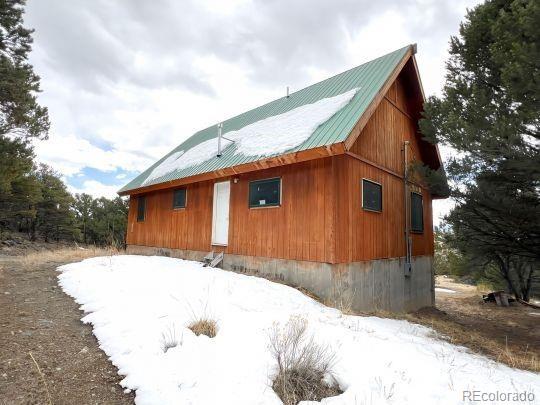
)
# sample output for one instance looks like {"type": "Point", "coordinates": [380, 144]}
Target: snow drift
{"type": "Point", "coordinates": [133, 302]}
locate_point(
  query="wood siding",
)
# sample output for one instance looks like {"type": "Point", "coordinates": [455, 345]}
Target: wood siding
{"type": "Point", "coordinates": [320, 218]}
{"type": "Point", "coordinates": [299, 229]}
{"type": "Point", "coordinates": [365, 235]}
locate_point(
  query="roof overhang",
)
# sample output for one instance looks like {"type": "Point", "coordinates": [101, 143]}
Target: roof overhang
{"type": "Point", "coordinates": [287, 159]}
{"type": "Point", "coordinates": [432, 156]}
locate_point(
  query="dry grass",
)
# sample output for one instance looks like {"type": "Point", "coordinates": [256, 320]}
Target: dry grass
{"type": "Point", "coordinates": [304, 368]}
{"type": "Point", "coordinates": [478, 341]}
{"type": "Point", "coordinates": [204, 326]}
{"type": "Point", "coordinates": [66, 255]}
{"type": "Point", "coordinates": [49, 399]}
{"type": "Point", "coordinates": [169, 339]}
{"type": "Point", "coordinates": [513, 356]}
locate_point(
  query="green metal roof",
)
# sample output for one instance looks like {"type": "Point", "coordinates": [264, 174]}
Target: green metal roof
{"type": "Point", "coordinates": [368, 77]}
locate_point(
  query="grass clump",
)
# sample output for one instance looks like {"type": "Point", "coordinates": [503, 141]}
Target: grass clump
{"type": "Point", "coordinates": [204, 326]}
{"type": "Point", "coordinates": [304, 368]}
{"type": "Point", "coordinates": [169, 339]}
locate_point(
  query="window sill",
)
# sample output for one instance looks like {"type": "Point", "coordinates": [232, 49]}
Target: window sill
{"type": "Point", "coordinates": [375, 211]}
{"type": "Point", "coordinates": [265, 206]}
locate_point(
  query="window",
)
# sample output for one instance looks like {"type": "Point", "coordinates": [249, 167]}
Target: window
{"type": "Point", "coordinates": [265, 193]}
{"type": "Point", "coordinates": [179, 198]}
{"type": "Point", "coordinates": [417, 213]}
{"type": "Point", "coordinates": [141, 208]}
{"type": "Point", "coordinates": [371, 196]}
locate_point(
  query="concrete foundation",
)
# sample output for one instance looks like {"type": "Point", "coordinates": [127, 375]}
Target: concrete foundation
{"type": "Point", "coordinates": [361, 286]}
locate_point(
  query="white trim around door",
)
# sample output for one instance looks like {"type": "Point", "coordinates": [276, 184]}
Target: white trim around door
{"type": "Point", "coordinates": [220, 215]}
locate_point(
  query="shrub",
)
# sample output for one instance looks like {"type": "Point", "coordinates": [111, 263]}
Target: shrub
{"type": "Point", "coordinates": [204, 326]}
{"type": "Point", "coordinates": [304, 368]}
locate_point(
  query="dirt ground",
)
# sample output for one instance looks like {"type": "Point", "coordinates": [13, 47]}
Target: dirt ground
{"type": "Point", "coordinates": [507, 334]}
{"type": "Point", "coordinates": [39, 322]}
{"type": "Point", "coordinates": [37, 318]}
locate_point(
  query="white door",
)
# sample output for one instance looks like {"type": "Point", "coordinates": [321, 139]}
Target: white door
{"type": "Point", "coordinates": [220, 221]}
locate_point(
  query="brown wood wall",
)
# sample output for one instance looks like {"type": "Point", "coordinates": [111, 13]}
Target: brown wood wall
{"type": "Point", "coordinates": [363, 235]}
{"type": "Point", "coordinates": [321, 218]}
{"type": "Point", "coordinates": [295, 230]}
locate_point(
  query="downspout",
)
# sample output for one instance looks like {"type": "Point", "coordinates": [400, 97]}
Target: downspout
{"type": "Point", "coordinates": [407, 233]}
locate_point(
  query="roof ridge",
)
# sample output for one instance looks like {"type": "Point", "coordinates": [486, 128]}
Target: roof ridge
{"type": "Point", "coordinates": [352, 68]}
{"type": "Point", "coordinates": [299, 90]}
{"type": "Point", "coordinates": [369, 76]}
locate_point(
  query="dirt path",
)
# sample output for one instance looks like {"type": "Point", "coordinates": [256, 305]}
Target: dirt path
{"type": "Point", "coordinates": [37, 317]}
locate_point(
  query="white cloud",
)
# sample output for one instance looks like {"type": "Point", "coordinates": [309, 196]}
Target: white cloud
{"type": "Point", "coordinates": [122, 95]}
{"type": "Point", "coordinates": [96, 189]}
{"type": "Point", "coordinates": [69, 155]}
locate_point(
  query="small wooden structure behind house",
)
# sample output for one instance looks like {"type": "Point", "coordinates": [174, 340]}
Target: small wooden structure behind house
{"type": "Point", "coordinates": [313, 189]}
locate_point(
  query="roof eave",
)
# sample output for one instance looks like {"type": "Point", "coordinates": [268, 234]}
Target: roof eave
{"type": "Point", "coordinates": [357, 130]}
{"type": "Point", "coordinates": [281, 160]}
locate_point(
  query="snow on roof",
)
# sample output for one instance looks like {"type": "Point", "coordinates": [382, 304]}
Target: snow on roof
{"type": "Point", "coordinates": [183, 159]}
{"type": "Point", "coordinates": [269, 136]}
{"type": "Point", "coordinates": [283, 132]}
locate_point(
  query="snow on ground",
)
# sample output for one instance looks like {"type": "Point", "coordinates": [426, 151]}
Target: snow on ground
{"type": "Point", "coordinates": [131, 301]}
{"type": "Point", "coordinates": [270, 136]}
{"type": "Point", "coordinates": [445, 290]}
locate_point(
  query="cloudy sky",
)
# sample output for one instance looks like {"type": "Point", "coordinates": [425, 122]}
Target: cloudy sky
{"type": "Point", "coordinates": [125, 81]}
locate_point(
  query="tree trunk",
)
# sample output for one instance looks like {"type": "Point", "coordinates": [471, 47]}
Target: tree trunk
{"type": "Point", "coordinates": [504, 268]}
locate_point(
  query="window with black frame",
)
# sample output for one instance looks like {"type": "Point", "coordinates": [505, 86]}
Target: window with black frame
{"type": "Point", "coordinates": [417, 212]}
{"type": "Point", "coordinates": [371, 196]}
{"type": "Point", "coordinates": [265, 193]}
{"type": "Point", "coordinates": [179, 198]}
{"type": "Point", "coordinates": [141, 208]}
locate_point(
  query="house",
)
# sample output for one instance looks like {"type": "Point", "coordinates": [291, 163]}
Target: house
{"type": "Point", "coordinates": [308, 189]}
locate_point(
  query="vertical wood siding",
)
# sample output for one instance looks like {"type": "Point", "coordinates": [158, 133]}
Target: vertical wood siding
{"type": "Point", "coordinates": [372, 235]}
{"type": "Point", "coordinates": [300, 229]}
{"type": "Point", "coordinates": [320, 218]}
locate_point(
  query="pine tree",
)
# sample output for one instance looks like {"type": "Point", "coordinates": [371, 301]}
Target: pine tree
{"type": "Point", "coordinates": [489, 113]}
{"type": "Point", "coordinates": [20, 114]}
{"type": "Point", "coordinates": [19, 189]}
{"type": "Point", "coordinates": [21, 118]}
{"type": "Point", "coordinates": [83, 210]}
{"type": "Point", "coordinates": [55, 219]}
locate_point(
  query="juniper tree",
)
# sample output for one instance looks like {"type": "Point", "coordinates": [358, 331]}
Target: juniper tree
{"type": "Point", "coordinates": [489, 112]}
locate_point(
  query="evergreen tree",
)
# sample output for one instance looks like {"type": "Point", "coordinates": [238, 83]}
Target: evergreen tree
{"type": "Point", "coordinates": [101, 221]}
{"type": "Point", "coordinates": [55, 219]}
{"type": "Point", "coordinates": [35, 200]}
{"type": "Point", "coordinates": [490, 113]}
{"type": "Point", "coordinates": [83, 210]}
{"type": "Point", "coordinates": [19, 189]}
{"type": "Point", "coordinates": [21, 118]}
{"type": "Point", "coordinates": [20, 114]}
